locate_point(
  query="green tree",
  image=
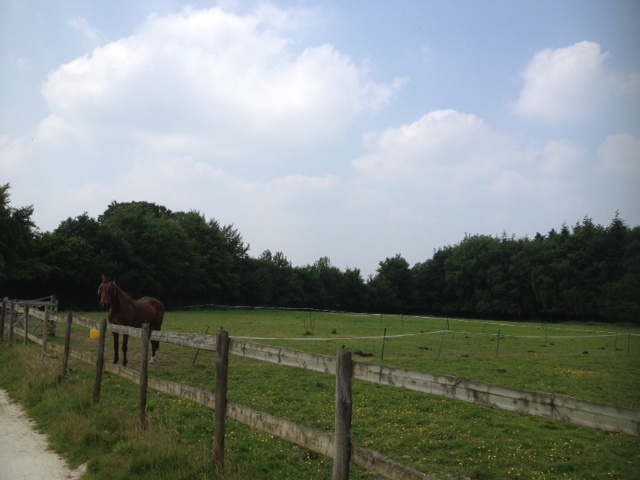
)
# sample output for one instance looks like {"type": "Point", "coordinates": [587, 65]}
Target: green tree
{"type": "Point", "coordinates": [433, 293]}
{"type": "Point", "coordinates": [392, 288]}
{"type": "Point", "coordinates": [238, 252]}
{"type": "Point", "coordinates": [353, 292]}
{"type": "Point", "coordinates": [18, 267]}
{"type": "Point", "coordinates": [157, 253]}
{"type": "Point", "coordinates": [619, 296]}
{"type": "Point", "coordinates": [322, 284]}
{"type": "Point", "coordinates": [466, 273]}
{"type": "Point", "coordinates": [68, 270]}
{"type": "Point", "coordinates": [520, 272]}
{"type": "Point", "coordinates": [507, 279]}
{"type": "Point", "coordinates": [255, 283]}
{"type": "Point", "coordinates": [273, 282]}
{"type": "Point", "coordinates": [212, 274]}
{"type": "Point", "coordinates": [584, 275]}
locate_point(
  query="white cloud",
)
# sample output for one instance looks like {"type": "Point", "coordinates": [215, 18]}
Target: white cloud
{"type": "Point", "coordinates": [235, 82]}
{"type": "Point", "coordinates": [56, 130]}
{"type": "Point", "coordinates": [509, 182]}
{"type": "Point", "coordinates": [444, 150]}
{"type": "Point", "coordinates": [14, 154]}
{"type": "Point", "coordinates": [240, 117]}
{"type": "Point", "coordinates": [565, 83]}
{"type": "Point", "coordinates": [300, 215]}
{"type": "Point", "coordinates": [620, 154]}
{"type": "Point", "coordinates": [88, 32]}
{"type": "Point", "coordinates": [559, 157]}
{"type": "Point", "coordinates": [448, 166]}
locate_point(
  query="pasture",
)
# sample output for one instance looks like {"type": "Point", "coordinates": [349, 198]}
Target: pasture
{"type": "Point", "coordinates": [442, 437]}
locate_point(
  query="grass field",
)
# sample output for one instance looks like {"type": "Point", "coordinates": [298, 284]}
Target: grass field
{"type": "Point", "coordinates": [446, 438]}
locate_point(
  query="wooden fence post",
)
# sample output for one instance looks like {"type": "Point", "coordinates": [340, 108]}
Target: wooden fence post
{"type": "Point", "coordinates": [11, 319]}
{"type": "Point", "coordinates": [4, 314]}
{"type": "Point", "coordinates": [222, 370]}
{"type": "Point", "coordinates": [344, 411]}
{"type": "Point", "coordinates": [53, 324]}
{"type": "Point", "coordinates": [144, 374]}
{"type": "Point", "coordinates": [67, 345]}
{"type": "Point", "coordinates": [26, 325]}
{"type": "Point", "coordinates": [45, 329]}
{"type": "Point", "coordinates": [97, 381]}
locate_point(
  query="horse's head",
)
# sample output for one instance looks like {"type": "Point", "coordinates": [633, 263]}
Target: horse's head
{"type": "Point", "coordinates": [106, 290]}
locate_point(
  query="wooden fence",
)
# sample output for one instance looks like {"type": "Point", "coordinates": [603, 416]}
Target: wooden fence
{"type": "Point", "coordinates": [48, 306]}
{"type": "Point", "coordinates": [338, 445]}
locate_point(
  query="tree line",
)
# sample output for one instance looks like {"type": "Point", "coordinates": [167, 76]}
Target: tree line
{"type": "Point", "coordinates": [586, 272]}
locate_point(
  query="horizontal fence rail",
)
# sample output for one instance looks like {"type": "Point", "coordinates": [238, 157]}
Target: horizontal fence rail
{"type": "Point", "coordinates": [558, 407]}
{"type": "Point", "coordinates": [317, 441]}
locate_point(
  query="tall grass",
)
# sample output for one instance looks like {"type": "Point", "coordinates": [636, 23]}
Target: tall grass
{"type": "Point", "coordinates": [438, 436]}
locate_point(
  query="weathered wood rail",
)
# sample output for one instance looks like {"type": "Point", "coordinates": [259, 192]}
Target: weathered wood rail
{"type": "Point", "coordinates": [323, 443]}
{"type": "Point", "coordinates": [562, 408]}
{"type": "Point", "coordinates": [49, 307]}
{"type": "Point", "coordinates": [558, 407]}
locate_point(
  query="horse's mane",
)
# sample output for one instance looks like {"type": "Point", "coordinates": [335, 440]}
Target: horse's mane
{"type": "Point", "coordinates": [117, 297]}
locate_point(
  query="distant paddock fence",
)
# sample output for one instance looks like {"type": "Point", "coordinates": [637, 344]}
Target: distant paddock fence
{"type": "Point", "coordinates": [336, 445]}
{"type": "Point", "coordinates": [489, 337]}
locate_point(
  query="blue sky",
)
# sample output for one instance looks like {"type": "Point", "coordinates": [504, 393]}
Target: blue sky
{"type": "Point", "coordinates": [352, 130]}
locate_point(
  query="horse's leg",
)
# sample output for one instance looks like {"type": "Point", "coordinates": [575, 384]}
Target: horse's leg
{"type": "Point", "coordinates": [155, 344]}
{"type": "Point", "coordinates": [115, 347]}
{"type": "Point", "coordinates": [125, 343]}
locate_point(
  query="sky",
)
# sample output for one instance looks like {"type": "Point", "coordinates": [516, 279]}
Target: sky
{"type": "Point", "coordinates": [350, 130]}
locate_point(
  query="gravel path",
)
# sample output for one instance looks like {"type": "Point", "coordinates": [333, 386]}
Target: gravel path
{"type": "Point", "coordinates": [24, 454]}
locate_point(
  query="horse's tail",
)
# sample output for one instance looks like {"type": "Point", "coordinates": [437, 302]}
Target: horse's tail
{"type": "Point", "coordinates": [159, 314]}
{"type": "Point", "coordinates": [158, 307]}
{"type": "Point", "coordinates": [158, 311]}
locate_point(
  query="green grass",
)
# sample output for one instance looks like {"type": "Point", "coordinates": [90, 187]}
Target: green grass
{"type": "Point", "coordinates": [442, 437]}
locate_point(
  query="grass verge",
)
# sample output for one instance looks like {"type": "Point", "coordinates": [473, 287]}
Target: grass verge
{"type": "Point", "coordinates": [177, 443]}
{"type": "Point", "coordinates": [445, 438]}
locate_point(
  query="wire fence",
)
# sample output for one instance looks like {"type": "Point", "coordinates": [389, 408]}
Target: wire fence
{"type": "Point", "coordinates": [388, 335]}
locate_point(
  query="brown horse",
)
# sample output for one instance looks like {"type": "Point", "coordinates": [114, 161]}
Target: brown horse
{"type": "Point", "coordinates": [125, 311]}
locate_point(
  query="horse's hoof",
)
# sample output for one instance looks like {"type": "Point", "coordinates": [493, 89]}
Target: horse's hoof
{"type": "Point", "coordinates": [153, 359]}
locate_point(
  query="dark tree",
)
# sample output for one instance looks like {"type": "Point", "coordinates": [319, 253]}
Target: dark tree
{"type": "Point", "coordinates": [18, 267]}
{"type": "Point", "coordinates": [392, 288]}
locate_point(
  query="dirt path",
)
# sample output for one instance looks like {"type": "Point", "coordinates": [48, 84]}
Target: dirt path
{"type": "Point", "coordinates": [24, 454]}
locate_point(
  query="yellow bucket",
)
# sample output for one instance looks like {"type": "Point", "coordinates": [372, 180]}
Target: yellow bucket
{"type": "Point", "coordinates": [94, 334]}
